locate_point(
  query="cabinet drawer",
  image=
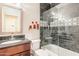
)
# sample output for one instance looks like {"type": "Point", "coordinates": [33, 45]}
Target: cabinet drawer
{"type": "Point", "coordinates": [14, 50]}
{"type": "Point", "coordinates": [17, 49]}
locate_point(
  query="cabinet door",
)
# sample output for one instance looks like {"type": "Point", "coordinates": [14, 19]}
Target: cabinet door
{"type": "Point", "coordinates": [11, 19]}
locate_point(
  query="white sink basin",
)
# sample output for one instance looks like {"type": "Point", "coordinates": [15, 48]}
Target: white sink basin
{"type": "Point", "coordinates": [14, 41]}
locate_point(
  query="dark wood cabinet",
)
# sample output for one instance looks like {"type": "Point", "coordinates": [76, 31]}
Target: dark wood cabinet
{"type": "Point", "coordinates": [17, 50]}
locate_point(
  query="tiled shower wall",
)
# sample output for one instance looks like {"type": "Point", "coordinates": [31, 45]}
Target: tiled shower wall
{"type": "Point", "coordinates": [69, 38]}
{"type": "Point", "coordinates": [64, 31]}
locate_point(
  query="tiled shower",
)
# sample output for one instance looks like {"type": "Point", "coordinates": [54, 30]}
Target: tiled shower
{"type": "Point", "coordinates": [60, 26]}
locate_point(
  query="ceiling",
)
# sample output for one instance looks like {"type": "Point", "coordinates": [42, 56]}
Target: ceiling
{"type": "Point", "coordinates": [46, 6]}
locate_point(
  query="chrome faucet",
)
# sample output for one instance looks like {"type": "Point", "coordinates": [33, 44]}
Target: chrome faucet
{"type": "Point", "coordinates": [12, 37]}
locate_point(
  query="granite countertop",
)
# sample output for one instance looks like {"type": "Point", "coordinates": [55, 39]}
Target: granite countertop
{"type": "Point", "coordinates": [15, 43]}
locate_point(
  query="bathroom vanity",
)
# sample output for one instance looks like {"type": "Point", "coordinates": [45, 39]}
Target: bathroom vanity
{"type": "Point", "coordinates": [17, 47]}
{"type": "Point", "coordinates": [22, 49]}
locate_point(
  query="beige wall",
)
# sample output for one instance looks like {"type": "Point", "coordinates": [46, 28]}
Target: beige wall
{"type": "Point", "coordinates": [31, 12]}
